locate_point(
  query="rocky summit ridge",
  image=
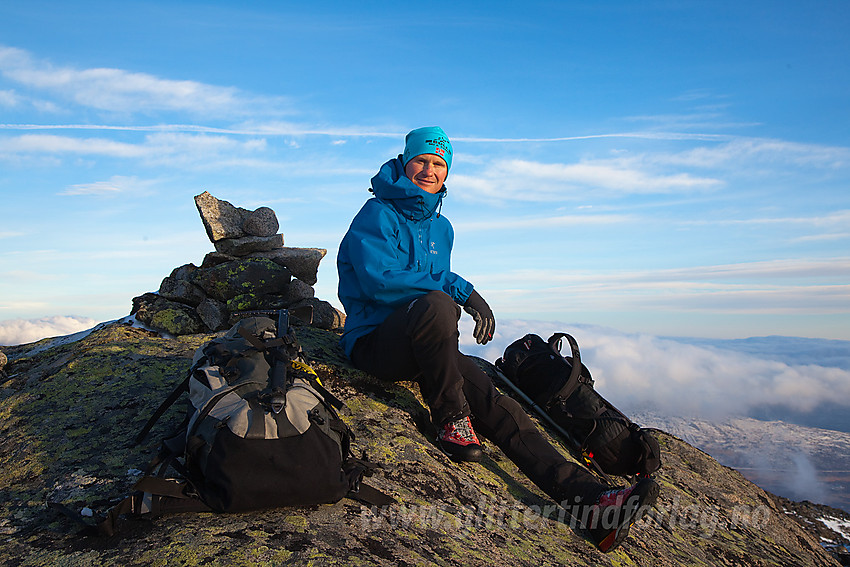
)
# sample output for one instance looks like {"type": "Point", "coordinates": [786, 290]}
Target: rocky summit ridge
{"type": "Point", "coordinates": [72, 406]}
{"type": "Point", "coordinates": [71, 410]}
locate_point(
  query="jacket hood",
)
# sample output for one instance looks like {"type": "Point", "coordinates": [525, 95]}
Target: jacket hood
{"type": "Point", "coordinates": [392, 185]}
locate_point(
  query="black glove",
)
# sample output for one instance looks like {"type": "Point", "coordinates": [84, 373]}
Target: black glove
{"type": "Point", "coordinates": [485, 323]}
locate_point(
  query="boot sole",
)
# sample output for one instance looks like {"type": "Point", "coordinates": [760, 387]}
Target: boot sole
{"type": "Point", "coordinates": [472, 456]}
{"type": "Point", "coordinates": [647, 495]}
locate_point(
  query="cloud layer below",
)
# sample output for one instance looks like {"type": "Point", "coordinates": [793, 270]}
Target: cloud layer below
{"type": "Point", "coordinates": [639, 372]}
{"type": "Point", "coordinates": [20, 331]}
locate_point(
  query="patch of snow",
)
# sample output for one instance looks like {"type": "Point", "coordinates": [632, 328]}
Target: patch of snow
{"type": "Point", "coordinates": [838, 526]}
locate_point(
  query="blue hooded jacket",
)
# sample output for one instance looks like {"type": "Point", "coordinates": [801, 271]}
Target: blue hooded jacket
{"type": "Point", "coordinates": [397, 248]}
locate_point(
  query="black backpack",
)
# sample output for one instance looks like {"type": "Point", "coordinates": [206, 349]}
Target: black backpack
{"type": "Point", "coordinates": [561, 388]}
{"type": "Point", "coordinates": [260, 432]}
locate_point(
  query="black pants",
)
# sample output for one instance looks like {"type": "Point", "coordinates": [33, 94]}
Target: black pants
{"type": "Point", "coordinates": [419, 341]}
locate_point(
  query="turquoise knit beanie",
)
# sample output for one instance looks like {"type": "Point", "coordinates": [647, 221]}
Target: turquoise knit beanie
{"type": "Point", "coordinates": [428, 140]}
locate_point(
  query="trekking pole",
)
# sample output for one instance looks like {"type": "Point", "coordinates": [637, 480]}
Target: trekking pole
{"type": "Point", "coordinates": [539, 411]}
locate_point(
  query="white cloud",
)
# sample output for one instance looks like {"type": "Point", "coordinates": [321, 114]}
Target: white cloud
{"type": "Point", "coordinates": [116, 184]}
{"type": "Point", "coordinates": [834, 219]}
{"type": "Point", "coordinates": [9, 98]}
{"type": "Point", "coordinates": [19, 331]}
{"type": "Point", "coordinates": [118, 90]}
{"type": "Point", "coordinates": [758, 150]}
{"type": "Point", "coordinates": [51, 144]}
{"type": "Point", "coordinates": [252, 128]}
{"type": "Point", "coordinates": [525, 180]}
{"type": "Point", "coordinates": [648, 135]}
{"type": "Point", "coordinates": [823, 237]}
{"type": "Point", "coordinates": [158, 148]}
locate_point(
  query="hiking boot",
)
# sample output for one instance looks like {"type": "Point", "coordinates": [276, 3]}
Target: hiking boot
{"type": "Point", "coordinates": [459, 442]}
{"type": "Point", "coordinates": [615, 511]}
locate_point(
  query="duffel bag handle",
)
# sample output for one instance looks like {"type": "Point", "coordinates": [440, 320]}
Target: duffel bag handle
{"type": "Point", "coordinates": [555, 343]}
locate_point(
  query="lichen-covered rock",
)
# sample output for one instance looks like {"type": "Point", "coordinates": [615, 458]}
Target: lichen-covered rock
{"type": "Point", "coordinates": [256, 276]}
{"type": "Point", "coordinates": [248, 245]}
{"type": "Point", "coordinates": [166, 316]}
{"type": "Point", "coordinates": [177, 319]}
{"type": "Point", "coordinates": [70, 412]}
{"type": "Point", "coordinates": [302, 262]}
{"type": "Point", "coordinates": [213, 313]}
{"type": "Point", "coordinates": [220, 218]}
{"type": "Point", "coordinates": [3, 361]}
{"type": "Point", "coordinates": [261, 222]}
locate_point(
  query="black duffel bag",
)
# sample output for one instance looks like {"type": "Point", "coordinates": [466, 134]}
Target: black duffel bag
{"type": "Point", "coordinates": [562, 387]}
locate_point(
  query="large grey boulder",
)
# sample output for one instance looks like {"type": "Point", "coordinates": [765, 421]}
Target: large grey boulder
{"type": "Point", "coordinates": [221, 219]}
{"type": "Point", "coordinates": [262, 222]}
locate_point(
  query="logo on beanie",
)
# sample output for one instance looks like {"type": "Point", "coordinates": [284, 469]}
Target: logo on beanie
{"type": "Point", "coordinates": [441, 146]}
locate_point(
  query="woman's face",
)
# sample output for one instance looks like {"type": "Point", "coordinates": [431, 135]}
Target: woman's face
{"type": "Point", "coordinates": [427, 171]}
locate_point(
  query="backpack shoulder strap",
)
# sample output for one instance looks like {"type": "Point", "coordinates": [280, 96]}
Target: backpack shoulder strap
{"type": "Point", "coordinates": [167, 403]}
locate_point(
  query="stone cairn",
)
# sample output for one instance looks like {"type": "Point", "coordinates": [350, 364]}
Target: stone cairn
{"type": "Point", "coordinates": [250, 270]}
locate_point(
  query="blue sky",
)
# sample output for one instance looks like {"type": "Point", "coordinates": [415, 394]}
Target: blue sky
{"type": "Point", "coordinates": [669, 168]}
